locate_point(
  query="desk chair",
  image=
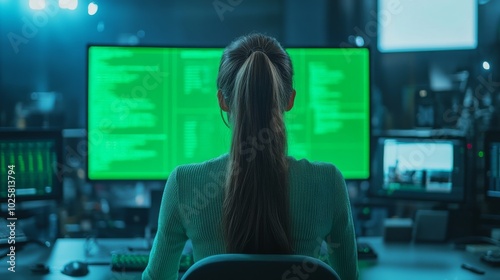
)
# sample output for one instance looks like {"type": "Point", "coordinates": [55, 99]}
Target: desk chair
{"type": "Point", "coordinates": [262, 267]}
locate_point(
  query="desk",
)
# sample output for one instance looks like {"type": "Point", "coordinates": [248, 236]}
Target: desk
{"type": "Point", "coordinates": [395, 261]}
{"type": "Point", "coordinates": [422, 262]}
{"type": "Point", "coordinates": [71, 249]}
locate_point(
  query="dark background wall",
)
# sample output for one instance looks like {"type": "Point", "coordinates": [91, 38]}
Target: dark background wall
{"type": "Point", "coordinates": [49, 49]}
{"type": "Point", "coordinates": [46, 50]}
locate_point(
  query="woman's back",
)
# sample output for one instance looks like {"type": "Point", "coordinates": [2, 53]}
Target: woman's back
{"type": "Point", "coordinates": [256, 199]}
{"type": "Point", "coordinates": [319, 210]}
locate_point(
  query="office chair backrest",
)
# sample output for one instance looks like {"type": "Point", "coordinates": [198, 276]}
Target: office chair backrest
{"type": "Point", "coordinates": [261, 267]}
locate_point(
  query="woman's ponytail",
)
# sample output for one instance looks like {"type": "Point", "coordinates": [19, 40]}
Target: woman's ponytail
{"type": "Point", "coordinates": [256, 215]}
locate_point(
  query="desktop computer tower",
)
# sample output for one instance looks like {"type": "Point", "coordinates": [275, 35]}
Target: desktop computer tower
{"type": "Point", "coordinates": [73, 167]}
{"type": "Point", "coordinates": [72, 171]}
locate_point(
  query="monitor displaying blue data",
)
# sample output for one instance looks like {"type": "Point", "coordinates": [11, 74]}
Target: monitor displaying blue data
{"type": "Point", "coordinates": [151, 109]}
{"type": "Point", "coordinates": [427, 25]}
{"type": "Point", "coordinates": [419, 169]}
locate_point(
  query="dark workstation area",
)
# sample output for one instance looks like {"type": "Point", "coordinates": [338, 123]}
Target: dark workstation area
{"type": "Point", "coordinates": [100, 100]}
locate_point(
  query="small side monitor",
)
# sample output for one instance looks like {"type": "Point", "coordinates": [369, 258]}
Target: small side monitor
{"type": "Point", "coordinates": [30, 165]}
{"type": "Point", "coordinates": [419, 168]}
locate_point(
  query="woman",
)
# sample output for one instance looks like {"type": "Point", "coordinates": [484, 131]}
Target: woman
{"type": "Point", "coordinates": [256, 199]}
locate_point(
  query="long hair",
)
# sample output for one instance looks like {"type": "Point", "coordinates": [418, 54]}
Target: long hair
{"type": "Point", "coordinates": [255, 77]}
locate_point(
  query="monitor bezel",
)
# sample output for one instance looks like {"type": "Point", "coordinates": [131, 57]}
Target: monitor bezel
{"type": "Point", "coordinates": [347, 47]}
{"type": "Point", "coordinates": [57, 171]}
{"type": "Point", "coordinates": [377, 177]}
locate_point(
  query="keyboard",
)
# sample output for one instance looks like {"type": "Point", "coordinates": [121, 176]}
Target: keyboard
{"type": "Point", "coordinates": [137, 261]}
{"type": "Point", "coordinates": [5, 233]}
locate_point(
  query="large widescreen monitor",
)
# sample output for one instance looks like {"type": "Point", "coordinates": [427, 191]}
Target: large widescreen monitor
{"type": "Point", "coordinates": [31, 164]}
{"type": "Point", "coordinates": [151, 109]}
{"type": "Point", "coordinates": [427, 25]}
{"type": "Point", "coordinates": [419, 168]}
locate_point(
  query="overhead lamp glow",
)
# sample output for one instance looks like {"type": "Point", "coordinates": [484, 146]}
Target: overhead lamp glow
{"type": "Point", "coordinates": [92, 8]}
{"type": "Point", "coordinates": [359, 41]}
{"type": "Point", "coordinates": [486, 65]}
{"type": "Point", "coordinates": [68, 4]}
{"type": "Point", "coordinates": [37, 4]}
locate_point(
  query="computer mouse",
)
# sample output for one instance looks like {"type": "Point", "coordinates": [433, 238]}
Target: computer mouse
{"type": "Point", "coordinates": [492, 258]}
{"type": "Point", "coordinates": [76, 268]}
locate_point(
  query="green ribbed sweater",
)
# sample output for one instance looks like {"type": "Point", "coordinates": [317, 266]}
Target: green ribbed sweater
{"type": "Point", "coordinates": [192, 209]}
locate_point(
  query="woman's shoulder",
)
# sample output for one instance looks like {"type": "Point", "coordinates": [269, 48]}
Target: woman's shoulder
{"type": "Point", "coordinates": [212, 165]}
{"type": "Point", "coordinates": [313, 178]}
{"type": "Point", "coordinates": [314, 166]}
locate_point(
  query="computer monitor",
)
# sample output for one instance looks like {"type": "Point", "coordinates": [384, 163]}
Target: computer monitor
{"type": "Point", "coordinates": [419, 168]}
{"type": "Point", "coordinates": [427, 25]}
{"type": "Point", "coordinates": [30, 162]}
{"type": "Point", "coordinates": [151, 109]}
{"type": "Point", "coordinates": [492, 163]}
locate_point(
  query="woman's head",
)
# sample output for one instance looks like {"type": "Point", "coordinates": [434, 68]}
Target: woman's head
{"type": "Point", "coordinates": [251, 47]}
{"type": "Point", "coordinates": [255, 88]}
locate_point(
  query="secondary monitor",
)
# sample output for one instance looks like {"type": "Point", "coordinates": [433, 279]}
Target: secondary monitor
{"type": "Point", "coordinates": [30, 165]}
{"type": "Point", "coordinates": [492, 163]}
{"type": "Point", "coordinates": [151, 109]}
{"type": "Point", "coordinates": [419, 168]}
{"type": "Point", "coordinates": [427, 25]}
